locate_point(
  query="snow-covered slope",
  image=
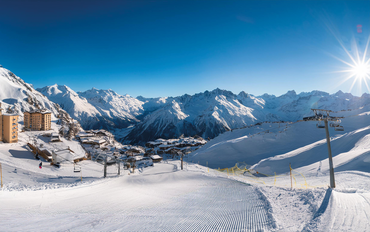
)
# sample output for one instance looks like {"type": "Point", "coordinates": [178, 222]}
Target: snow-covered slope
{"type": "Point", "coordinates": [96, 109]}
{"type": "Point", "coordinates": [211, 113]}
{"type": "Point", "coordinates": [271, 147]}
{"type": "Point", "coordinates": [77, 107]}
{"type": "Point", "coordinates": [15, 92]}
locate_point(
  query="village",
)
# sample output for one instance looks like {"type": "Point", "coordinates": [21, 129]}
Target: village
{"type": "Point", "coordinates": [63, 142]}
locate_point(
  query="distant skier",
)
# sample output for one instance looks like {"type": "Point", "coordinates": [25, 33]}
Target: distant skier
{"type": "Point", "coordinates": [40, 165]}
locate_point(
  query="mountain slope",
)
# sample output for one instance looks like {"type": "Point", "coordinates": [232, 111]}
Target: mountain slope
{"type": "Point", "coordinates": [271, 147]}
{"type": "Point", "coordinates": [94, 108]}
{"type": "Point", "coordinates": [15, 92]}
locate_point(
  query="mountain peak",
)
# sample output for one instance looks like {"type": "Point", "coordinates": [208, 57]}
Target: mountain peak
{"type": "Point", "coordinates": [291, 93]}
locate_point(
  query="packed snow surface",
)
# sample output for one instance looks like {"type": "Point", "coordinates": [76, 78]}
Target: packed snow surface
{"type": "Point", "coordinates": [160, 199]}
{"type": "Point", "coordinates": [165, 198]}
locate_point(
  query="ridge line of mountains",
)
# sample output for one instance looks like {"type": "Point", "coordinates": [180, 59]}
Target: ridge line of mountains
{"type": "Point", "coordinates": [208, 114]}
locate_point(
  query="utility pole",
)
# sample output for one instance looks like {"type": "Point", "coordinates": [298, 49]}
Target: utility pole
{"type": "Point", "coordinates": [322, 117]}
{"type": "Point", "coordinates": [291, 180]}
{"type": "Point", "coordinates": [105, 166]}
{"type": "Point", "coordinates": [119, 166]}
{"type": "Point", "coordinates": [1, 175]}
{"type": "Point", "coordinates": [331, 167]}
{"type": "Point", "coordinates": [182, 160]}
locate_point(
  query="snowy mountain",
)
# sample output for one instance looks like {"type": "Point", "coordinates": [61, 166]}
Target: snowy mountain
{"type": "Point", "coordinates": [271, 147]}
{"type": "Point", "coordinates": [211, 113]}
{"type": "Point", "coordinates": [96, 109]}
{"type": "Point", "coordinates": [14, 92]}
{"type": "Point", "coordinates": [207, 114]}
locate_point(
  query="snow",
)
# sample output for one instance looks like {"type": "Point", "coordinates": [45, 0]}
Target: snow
{"type": "Point", "coordinates": [94, 107]}
{"type": "Point", "coordinates": [15, 92]}
{"type": "Point", "coordinates": [208, 114]}
{"type": "Point", "coordinates": [159, 199]}
{"type": "Point", "coordinates": [164, 198]}
{"type": "Point", "coordinates": [198, 198]}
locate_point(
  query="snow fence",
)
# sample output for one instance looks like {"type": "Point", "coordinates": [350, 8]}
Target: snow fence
{"type": "Point", "coordinates": [293, 178]}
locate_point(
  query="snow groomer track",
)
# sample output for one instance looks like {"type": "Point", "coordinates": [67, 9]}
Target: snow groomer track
{"type": "Point", "coordinates": [159, 199]}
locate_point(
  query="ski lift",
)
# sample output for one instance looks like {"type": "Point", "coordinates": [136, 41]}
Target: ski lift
{"type": "Point", "coordinates": [76, 168]}
{"type": "Point", "coordinates": [339, 128]}
{"type": "Point", "coordinates": [319, 125]}
{"type": "Point", "coordinates": [335, 124]}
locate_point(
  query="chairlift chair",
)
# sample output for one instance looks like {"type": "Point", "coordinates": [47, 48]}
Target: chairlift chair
{"type": "Point", "coordinates": [339, 128]}
{"type": "Point", "coordinates": [335, 124]}
{"type": "Point", "coordinates": [319, 125]}
{"type": "Point", "coordinates": [77, 168]}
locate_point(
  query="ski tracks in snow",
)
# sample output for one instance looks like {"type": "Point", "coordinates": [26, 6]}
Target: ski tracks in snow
{"type": "Point", "coordinates": [220, 205]}
{"type": "Point", "coordinates": [160, 199]}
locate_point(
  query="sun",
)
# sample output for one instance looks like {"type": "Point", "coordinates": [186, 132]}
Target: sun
{"type": "Point", "coordinates": [361, 70]}
{"type": "Point", "coordinates": [358, 66]}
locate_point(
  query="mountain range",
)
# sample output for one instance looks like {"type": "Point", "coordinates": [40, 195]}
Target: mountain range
{"type": "Point", "coordinates": [138, 120]}
{"type": "Point", "coordinates": [207, 114]}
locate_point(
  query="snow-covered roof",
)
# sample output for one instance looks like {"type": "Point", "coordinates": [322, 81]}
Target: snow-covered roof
{"type": "Point", "coordinates": [84, 134]}
{"type": "Point", "coordinates": [43, 111]}
{"type": "Point", "coordinates": [10, 114]}
{"type": "Point", "coordinates": [155, 157]}
{"type": "Point", "coordinates": [100, 141]}
{"type": "Point", "coordinates": [65, 155]}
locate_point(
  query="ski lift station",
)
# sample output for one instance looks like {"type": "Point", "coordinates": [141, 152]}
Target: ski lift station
{"type": "Point", "coordinates": [64, 156]}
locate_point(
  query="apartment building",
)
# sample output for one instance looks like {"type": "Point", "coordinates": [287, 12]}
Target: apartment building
{"type": "Point", "coordinates": [8, 127]}
{"type": "Point", "coordinates": [37, 120]}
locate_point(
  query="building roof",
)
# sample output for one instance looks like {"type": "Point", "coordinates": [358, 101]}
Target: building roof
{"type": "Point", "coordinates": [84, 134]}
{"type": "Point", "coordinates": [155, 157]}
{"type": "Point", "coordinates": [8, 114]}
{"type": "Point", "coordinates": [43, 111]}
{"type": "Point", "coordinates": [66, 155]}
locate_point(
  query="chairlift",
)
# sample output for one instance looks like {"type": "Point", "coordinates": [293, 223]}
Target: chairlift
{"type": "Point", "coordinates": [319, 125]}
{"type": "Point", "coordinates": [77, 168]}
{"type": "Point", "coordinates": [339, 128]}
{"type": "Point", "coordinates": [336, 123]}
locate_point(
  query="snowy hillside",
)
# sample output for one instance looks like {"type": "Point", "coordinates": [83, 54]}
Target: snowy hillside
{"type": "Point", "coordinates": [15, 92]}
{"type": "Point", "coordinates": [164, 198]}
{"type": "Point", "coordinates": [271, 147]}
{"type": "Point", "coordinates": [95, 109]}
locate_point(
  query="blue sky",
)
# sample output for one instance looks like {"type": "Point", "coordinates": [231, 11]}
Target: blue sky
{"type": "Point", "coordinates": [169, 48]}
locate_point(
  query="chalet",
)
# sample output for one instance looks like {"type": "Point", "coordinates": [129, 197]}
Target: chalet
{"type": "Point", "coordinates": [156, 158]}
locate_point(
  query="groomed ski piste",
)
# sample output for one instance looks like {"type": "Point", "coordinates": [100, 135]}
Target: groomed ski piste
{"type": "Point", "coordinates": [201, 198]}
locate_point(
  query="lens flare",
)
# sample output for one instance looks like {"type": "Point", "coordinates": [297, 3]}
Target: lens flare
{"type": "Point", "coordinates": [358, 67]}
{"type": "Point", "coordinates": [361, 70]}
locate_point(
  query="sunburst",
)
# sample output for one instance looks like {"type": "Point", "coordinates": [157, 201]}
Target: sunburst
{"type": "Point", "coordinates": [358, 68]}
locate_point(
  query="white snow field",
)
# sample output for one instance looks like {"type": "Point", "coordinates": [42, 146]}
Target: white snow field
{"type": "Point", "coordinates": [164, 198]}
{"type": "Point", "coordinates": [159, 199]}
